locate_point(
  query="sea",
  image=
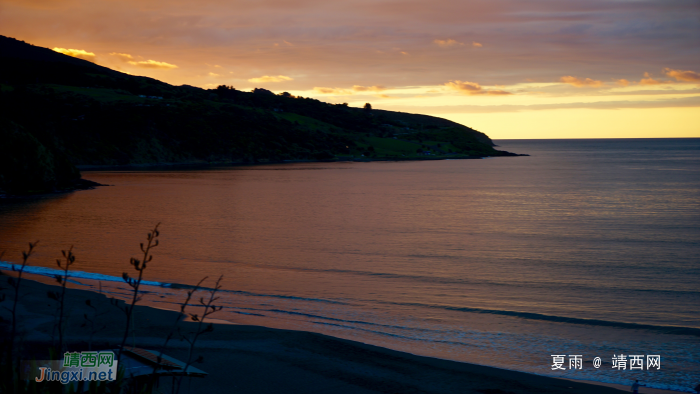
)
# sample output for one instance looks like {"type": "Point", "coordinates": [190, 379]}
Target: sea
{"type": "Point", "coordinates": [580, 261]}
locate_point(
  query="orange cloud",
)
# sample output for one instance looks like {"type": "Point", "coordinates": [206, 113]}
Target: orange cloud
{"type": "Point", "coordinates": [648, 80]}
{"type": "Point", "coordinates": [332, 91]}
{"type": "Point", "coordinates": [79, 53]}
{"type": "Point", "coordinates": [497, 92]}
{"type": "Point", "coordinates": [355, 88]}
{"type": "Point", "coordinates": [622, 82]}
{"type": "Point", "coordinates": [271, 78]}
{"type": "Point", "coordinates": [359, 88]}
{"type": "Point", "coordinates": [681, 75]}
{"type": "Point", "coordinates": [153, 64]}
{"type": "Point", "coordinates": [473, 88]}
{"type": "Point", "coordinates": [447, 43]}
{"type": "Point", "coordinates": [579, 83]}
{"type": "Point", "coordinates": [123, 56]}
{"type": "Point", "coordinates": [143, 63]}
{"type": "Point", "coordinates": [477, 44]}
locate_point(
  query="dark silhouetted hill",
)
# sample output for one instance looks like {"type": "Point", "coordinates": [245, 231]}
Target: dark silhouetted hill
{"type": "Point", "coordinates": [58, 112]}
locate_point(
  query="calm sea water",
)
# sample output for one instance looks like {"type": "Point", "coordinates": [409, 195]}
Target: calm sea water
{"type": "Point", "coordinates": [587, 247]}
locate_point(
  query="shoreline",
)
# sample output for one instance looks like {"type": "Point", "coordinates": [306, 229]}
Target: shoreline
{"type": "Point", "coordinates": [268, 360]}
{"type": "Point", "coordinates": [86, 184]}
{"type": "Point", "coordinates": [342, 159]}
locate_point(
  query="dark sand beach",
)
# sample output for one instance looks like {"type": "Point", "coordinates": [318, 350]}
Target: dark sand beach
{"type": "Point", "coordinates": [251, 359]}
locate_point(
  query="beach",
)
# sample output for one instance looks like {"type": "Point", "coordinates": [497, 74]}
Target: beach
{"type": "Point", "coordinates": [253, 359]}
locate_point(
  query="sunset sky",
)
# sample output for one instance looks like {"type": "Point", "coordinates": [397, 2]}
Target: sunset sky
{"type": "Point", "coordinates": [509, 68]}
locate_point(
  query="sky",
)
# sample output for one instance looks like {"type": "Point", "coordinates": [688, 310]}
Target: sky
{"type": "Point", "coordinates": [509, 68]}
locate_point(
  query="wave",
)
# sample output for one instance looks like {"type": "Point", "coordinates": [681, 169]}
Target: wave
{"type": "Point", "coordinates": [389, 334]}
{"type": "Point", "coordinates": [675, 330]}
{"type": "Point", "coordinates": [52, 272]}
{"type": "Point", "coordinates": [282, 296]}
{"type": "Point", "coordinates": [467, 281]}
{"type": "Point", "coordinates": [72, 275]}
{"type": "Point", "coordinates": [349, 321]}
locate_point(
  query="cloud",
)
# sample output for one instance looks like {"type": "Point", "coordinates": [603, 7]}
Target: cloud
{"type": "Point", "coordinates": [497, 92]}
{"type": "Point", "coordinates": [79, 53]}
{"type": "Point", "coordinates": [153, 64]}
{"type": "Point", "coordinates": [579, 83]}
{"type": "Point", "coordinates": [332, 91]}
{"type": "Point", "coordinates": [684, 102]}
{"type": "Point", "coordinates": [211, 74]}
{"type": "Point", "coordinates": [42, 4]}
{"type": "Point", "coordinates": [270, 78]}
{"type": "Point", "coordinates": [681, 75]}
{"type": "Point", "coordinates": [359, 88]}
{"type": "Point", "coordinates": [473, 88]}
{"type": "Point", "coordinates": [123, 56]}
{"type": "Point", "coordinates": [622, 82]}
{"type": "Point", "coordinates": [648, 80]}
{"type": "Point", "coordinates": [355, 88]}
{"type": "Point", "coordinates": [335, 42]}
{"type": "Point", "coordinates": [447, 43]}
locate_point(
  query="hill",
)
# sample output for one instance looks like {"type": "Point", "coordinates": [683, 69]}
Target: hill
{"type": "Point", "coordinates": [58, 112]}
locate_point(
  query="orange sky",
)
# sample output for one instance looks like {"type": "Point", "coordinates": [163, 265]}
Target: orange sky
{"type": "Point", "coordinates": [509, 68]}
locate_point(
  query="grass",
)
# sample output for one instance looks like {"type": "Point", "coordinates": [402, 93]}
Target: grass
{"type": "Point", "coordinates": [391, 145]}
{"type": "Point", "coordinates": [11, 348]}
{"type": "Point", "coordinates": [100, 94]}
{"type": "Point", "coordinates": [397, 148]}
{"type": "Point", "coordinates": [311, 123]}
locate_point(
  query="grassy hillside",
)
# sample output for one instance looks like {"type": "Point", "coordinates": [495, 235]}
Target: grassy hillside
{"type": "Point", "coordinates": [75, 112]}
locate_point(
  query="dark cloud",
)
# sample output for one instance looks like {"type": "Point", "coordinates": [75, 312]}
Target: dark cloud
{"type": "Point", "coordinates": [365, 42]}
